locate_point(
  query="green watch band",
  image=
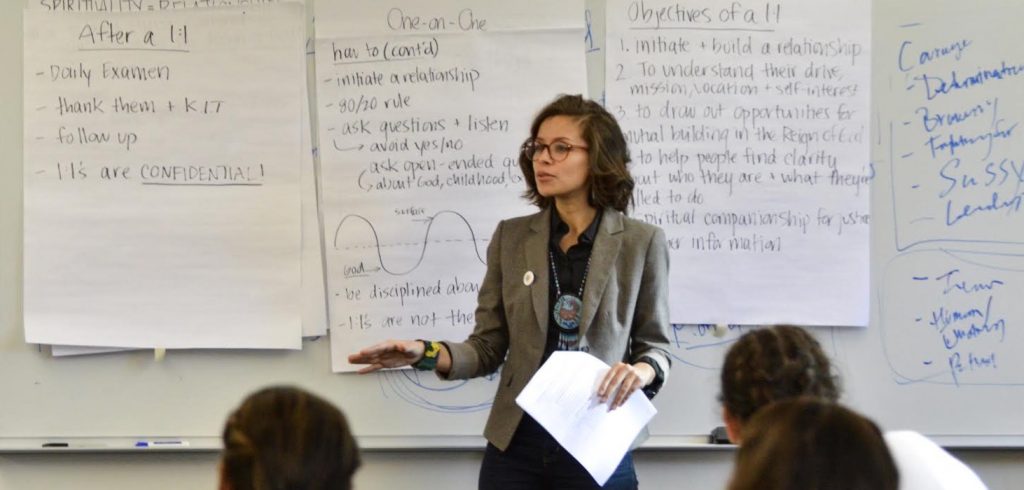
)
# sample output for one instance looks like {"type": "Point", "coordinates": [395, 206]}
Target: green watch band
{"type": "Point", "coordinates": [430, 352]}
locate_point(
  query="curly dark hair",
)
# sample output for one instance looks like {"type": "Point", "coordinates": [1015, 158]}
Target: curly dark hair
{"type": "Point", "coordinates": [775, 363]}
{"type": "Point", "coordinates": [610, 183]}
{"type": "Point", "coordinates": [286, 438]}
{"type": "Point", "coordinates": [812, 444]}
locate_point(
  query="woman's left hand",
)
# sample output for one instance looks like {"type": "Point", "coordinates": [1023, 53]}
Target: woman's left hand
{"type": "Point", "coordinates": [622, 380]}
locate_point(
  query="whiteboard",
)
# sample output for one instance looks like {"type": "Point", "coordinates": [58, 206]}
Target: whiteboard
{"type": "Point", "coordinates": [895, 373]}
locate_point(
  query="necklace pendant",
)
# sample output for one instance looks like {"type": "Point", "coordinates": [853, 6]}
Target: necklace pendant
{"type": "Point", "coordinates": [567, 312]}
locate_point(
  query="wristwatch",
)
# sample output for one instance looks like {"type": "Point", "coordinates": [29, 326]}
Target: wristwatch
{"type": "Point", "coordinates": [430, 352]}
{"type": "Point", "coordinates": [659, 377]}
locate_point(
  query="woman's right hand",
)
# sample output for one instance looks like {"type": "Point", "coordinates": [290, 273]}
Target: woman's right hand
{"type": "Point", "coordinates": [388, 354]}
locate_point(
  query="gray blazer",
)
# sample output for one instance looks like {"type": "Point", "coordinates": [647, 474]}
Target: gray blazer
{"type": "Point", "coordinates": [625, 307]}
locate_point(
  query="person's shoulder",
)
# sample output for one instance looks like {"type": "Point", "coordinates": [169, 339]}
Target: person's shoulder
{"type": "Point", "coordinates": [638, 227]}
{"type": "Point", "coordinates": [924, 464]}
{"type": "Point", "coordinates": [520, 224]}
{"type": "Point", "coordinates": [524, 220]}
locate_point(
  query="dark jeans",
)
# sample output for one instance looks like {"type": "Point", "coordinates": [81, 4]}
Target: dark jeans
{"type": "Point", "coordinates": [534, 460]}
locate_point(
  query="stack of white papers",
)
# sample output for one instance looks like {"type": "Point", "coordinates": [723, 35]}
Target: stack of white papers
{"type": "Point", "coordinates": [562, 398]}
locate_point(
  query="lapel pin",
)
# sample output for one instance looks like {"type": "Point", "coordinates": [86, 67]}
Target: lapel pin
{"type": "Point", "coordinates": [528, 278]}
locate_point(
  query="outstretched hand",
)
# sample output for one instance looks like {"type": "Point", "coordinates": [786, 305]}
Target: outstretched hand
{"type": "Point", "coordinates": [622, 380]}
{"type": "Point", "coordinates": [388, 354]}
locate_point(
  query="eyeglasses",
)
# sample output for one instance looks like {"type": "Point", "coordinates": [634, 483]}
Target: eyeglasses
{"type": "Point", "coordinates": [558, 150]}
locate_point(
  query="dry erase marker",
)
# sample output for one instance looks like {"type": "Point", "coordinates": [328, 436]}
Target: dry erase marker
{"type": "Point", "coordinates": [168, 444]}
{"type": "Point", "coordinates": [74, 445]}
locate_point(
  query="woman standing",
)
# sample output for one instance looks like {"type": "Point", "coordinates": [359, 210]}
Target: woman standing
{"type": "Point", "coordinates": [578, 275]}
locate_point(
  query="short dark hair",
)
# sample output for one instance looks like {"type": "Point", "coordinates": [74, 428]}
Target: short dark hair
{"type": "Point", "coordinates": [610, 183]}
{"type": "Point", "coordinates": [812, 444]}
{"type": "Point", "coordinates": [775, 363]}
{"type": "Point", "coordinates": [287, 438]}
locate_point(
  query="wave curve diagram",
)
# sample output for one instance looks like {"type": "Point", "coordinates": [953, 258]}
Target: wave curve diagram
{"type": "Point", "coordinates": [447, 224]}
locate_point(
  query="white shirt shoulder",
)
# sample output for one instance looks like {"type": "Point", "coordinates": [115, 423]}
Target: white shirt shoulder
{"type": "Point", "coordinates": [924, 465]}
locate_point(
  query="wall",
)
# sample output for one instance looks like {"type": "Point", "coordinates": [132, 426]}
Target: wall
{"type": "Point", "coordinates": [383, 470]}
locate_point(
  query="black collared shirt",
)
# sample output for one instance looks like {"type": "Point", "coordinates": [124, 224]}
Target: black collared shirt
{"type": "Point", "coordinates": [571, 267]}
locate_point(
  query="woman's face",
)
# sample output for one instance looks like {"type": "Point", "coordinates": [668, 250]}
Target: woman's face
{"type": "Point", "coordinates": [565, 179]}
